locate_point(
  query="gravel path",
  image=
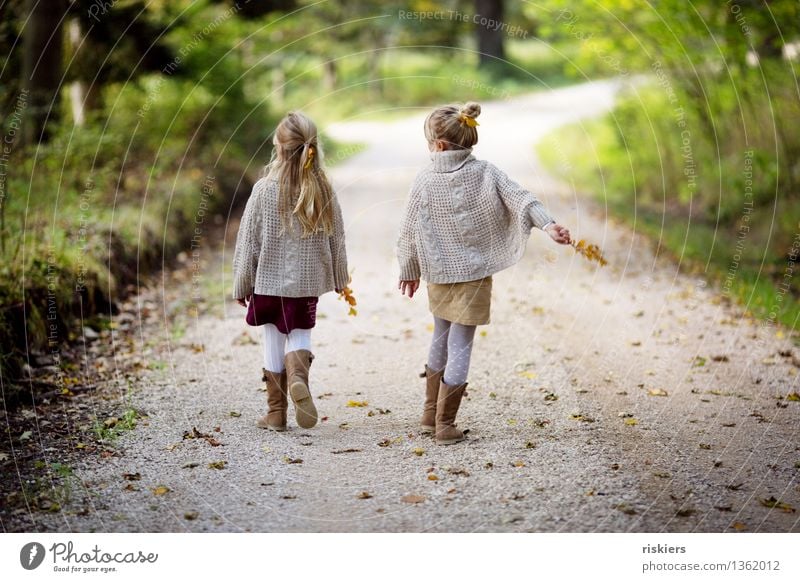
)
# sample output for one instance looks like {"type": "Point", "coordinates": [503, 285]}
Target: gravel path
{"type": "Point", "coordinates": [568, 431]}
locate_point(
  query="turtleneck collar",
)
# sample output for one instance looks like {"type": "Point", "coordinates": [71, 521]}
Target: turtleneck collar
{"type": "Point", "coordinates": [450, 160]}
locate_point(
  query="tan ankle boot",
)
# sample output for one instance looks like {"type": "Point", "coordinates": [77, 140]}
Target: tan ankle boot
{"type": "Point", "coordinates": [277, 401]}
{"type": "Point", "coordinates": [432, 379]}
{"type": "Point", "coordinates": [297, 365]}
{"type": "Point", "coordinates": [446, 410]}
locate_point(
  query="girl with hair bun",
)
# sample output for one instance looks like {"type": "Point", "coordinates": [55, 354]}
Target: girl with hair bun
{"type": "Point", "coordinates": [289, 250]}
{"type": "Point", "coordinates": [465, 221]}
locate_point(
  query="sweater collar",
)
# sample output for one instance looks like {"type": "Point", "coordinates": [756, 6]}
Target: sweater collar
{"type": "Point", "coordinates": [450, 160]}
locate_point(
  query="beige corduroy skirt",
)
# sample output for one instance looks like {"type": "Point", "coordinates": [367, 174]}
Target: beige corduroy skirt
{"type": "Point", "coordinates": [466, 303]}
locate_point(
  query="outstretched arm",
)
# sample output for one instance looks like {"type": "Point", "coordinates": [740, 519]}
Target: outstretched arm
{"type": "Point", "coordinates": [528, 207]}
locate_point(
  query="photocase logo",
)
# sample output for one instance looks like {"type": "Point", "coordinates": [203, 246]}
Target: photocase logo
{"type": "Point", "coordinates": [31, 555]}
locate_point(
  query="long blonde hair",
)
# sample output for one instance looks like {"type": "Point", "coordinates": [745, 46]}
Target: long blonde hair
{"type": "Point", "coordinates": [304, 189]}
{"type": "Point", "coordinates": [454, 124]}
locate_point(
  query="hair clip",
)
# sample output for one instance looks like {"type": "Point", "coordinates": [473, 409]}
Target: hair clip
{"type": "Point", "coordinates": [309, 157]}
{"type": "Point", "coordinates": [470, 121]}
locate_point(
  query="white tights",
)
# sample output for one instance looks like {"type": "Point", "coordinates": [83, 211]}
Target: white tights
{"type": "Point", "coordinates": [451, 350]}
{"type": "Point", "coordinates": [277, 345]}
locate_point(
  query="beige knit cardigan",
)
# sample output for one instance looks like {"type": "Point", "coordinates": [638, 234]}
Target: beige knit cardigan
{"type": "Point", "coordinates": [270, 262]}
{"type": "Point", "coordinates": [465, 220]}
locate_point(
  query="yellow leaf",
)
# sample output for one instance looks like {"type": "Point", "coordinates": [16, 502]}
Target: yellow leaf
{"type": "Point", "coordinates": [418, 451]}
{"type": "Point", "coordinates": [484, 333]}
{"type": "Point", "coordinates": [161, 490]}
{"type": "Point", "coordinates": [657, 392]}
{"type": "Point", "coordinates": [793, 397]}
{"type": "Point", "coordinates": [518, 463]}
{"type": "Point", "coordinates": [527, 374]}
{"type": "Point", "coordinates": [217, 465]}
{"type": "Point", "coordinates": [432, 477]}
{"type": "Point", "coordinates": [631, 421]}
{"type": "Point", "coordinates": [738, 525]}
{"type": "Point", "coordinates": [364, 495]}
{"type": "Point", "coordinates": [357, 403]}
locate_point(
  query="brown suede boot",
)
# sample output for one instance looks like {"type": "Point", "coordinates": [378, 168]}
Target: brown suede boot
{"type": "Point", "coordinates": [297, 365]}
{"type": "Point", "coordinates": [446, 410]}
{"type": "Point", "coordinates": [428, 422]}
{"type": "Point", "coordinates": [277, 401]}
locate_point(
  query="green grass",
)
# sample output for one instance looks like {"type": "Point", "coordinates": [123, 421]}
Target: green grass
{"type": "Point", "coordinates": [588, 156]}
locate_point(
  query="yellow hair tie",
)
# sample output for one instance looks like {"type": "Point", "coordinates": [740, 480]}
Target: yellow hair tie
{"type": "Point", "coordinates": [309, 157]}
{"type": "Point", "coordinates": [470, 121]}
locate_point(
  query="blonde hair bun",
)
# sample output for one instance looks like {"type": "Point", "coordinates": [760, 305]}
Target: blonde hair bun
{"type": "Point", "coordinates": [471, 109]}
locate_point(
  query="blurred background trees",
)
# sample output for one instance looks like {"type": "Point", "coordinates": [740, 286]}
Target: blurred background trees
{"type": "Point", "coordinates": [116, 113]}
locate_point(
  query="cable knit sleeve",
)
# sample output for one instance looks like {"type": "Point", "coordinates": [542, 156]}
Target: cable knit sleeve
{"type": "Point", "coordinates": [248, 245]}
{"type": "Point", "coordinates": [406, 244]}
{"type": "Point", "coordinates": [522, 202]}
{"type": "Point", "coordinates": [341, 278]}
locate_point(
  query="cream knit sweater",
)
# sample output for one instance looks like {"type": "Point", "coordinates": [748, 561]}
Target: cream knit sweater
{"type": "Point", "coordinates": [269, 262]}
{"type": "Point", "coordinates": [465, 220]}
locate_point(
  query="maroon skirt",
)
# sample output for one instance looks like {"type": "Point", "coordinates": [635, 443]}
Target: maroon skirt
{"type": "Point", "coordinates": [285, 313]}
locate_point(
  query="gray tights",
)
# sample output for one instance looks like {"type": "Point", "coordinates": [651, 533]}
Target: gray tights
{"type": "Point", "coordinates": [451, 349]}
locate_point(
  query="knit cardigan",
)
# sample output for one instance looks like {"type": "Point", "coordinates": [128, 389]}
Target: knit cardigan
{"type": "Point", "coordinates": [268, 261]}
{"type": "Point", "coordinates": [465, 220]}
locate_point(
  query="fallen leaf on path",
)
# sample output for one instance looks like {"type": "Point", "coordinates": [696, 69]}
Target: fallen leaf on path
{"type": "Point", "coordinates": [699, 361]}
{"type": "Point", "coordinates": [685, 512]}
{"type": "Point", "coordinates": [625, 508]}
{"type": "Point", "coordinates": [657, 392]}
{"type": "Point", "coordinates": [292, 461]}
{"type": "Point", "coordinates": [234, 414]}
{"type": "Point", "coordinates": [662, 474]}
{"type": "Point", "coordinates": [458, 471]}
{"type": "Point", "coordinates": [550, 397]}
{"type": "Point", "coordinates": [581, 418]}
{"type": "Point", "coordinates": [705, 446]}
{"type": "Point", "coordinates": [412, 499]}
{"type": "Point", "coordinates": [342, 451]}
{"type": "Point", "coordinates": [25, 435]}
{"type": "Point", "coordinates": [364, 495]}
{"type": "Point", "coordinates": [357, 403]}
{"type": "Point", "coordinates": [723, 507]}
{"type": "Point", "coordinates": [734, 487]}
{"type": "Point", "coordinates": [217, 464]}
{"type": "Point", "coordinates": [530, 445]}
{"type": "Point", "coordinates": [722, 358]}
{"type": "Point", "coordinates": [432, 477]}
{"type": "Point", "coordinates": [132, 476]}
{"type": "Point", "coordinates": [161, 490]}
{"type": "Point", "coordinates": [244, 339]}
{"type": "Point", "coordinates": [191, 515]}
{"type": "Point", "coordinates": [3, 456]}
{"type": "Point", "coordinates": [492, 395]}
{"type": "Point", "coordinates": [527, 374]}
{"type": "Point", "coordinates": [418, 451]}
{"type": "Point", "coordinates": [739, 526]}
{"type": "Point", "coordinates": [631, 421]}
{"type": "Point", "coordinates": [190, 465]}
{"type": "Point", "coordinates": [777, 504]}
{"type": "Point", "coordinates": [793, 397]}
{"type": "Point", "coordinates": [518, 463]}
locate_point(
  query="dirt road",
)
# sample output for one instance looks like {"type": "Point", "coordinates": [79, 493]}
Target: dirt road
{"type": "Point", "coordinates": [628, 398]}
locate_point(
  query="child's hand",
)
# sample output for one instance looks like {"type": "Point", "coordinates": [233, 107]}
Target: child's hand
{"type": "Point", "coordinates": [410, 286]}
{"type": "Point", "coordinates": [558, 233]}
{"type": "Point", "coordinates": [244, 300]}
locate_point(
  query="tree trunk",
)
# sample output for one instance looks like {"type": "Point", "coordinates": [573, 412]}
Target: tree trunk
{"type": "Point", "coordinates": [329, 76]}
{"type": "Point", "coordinates": [42, 66]}
{"type": "Point", "coordinates": [489, 16]}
